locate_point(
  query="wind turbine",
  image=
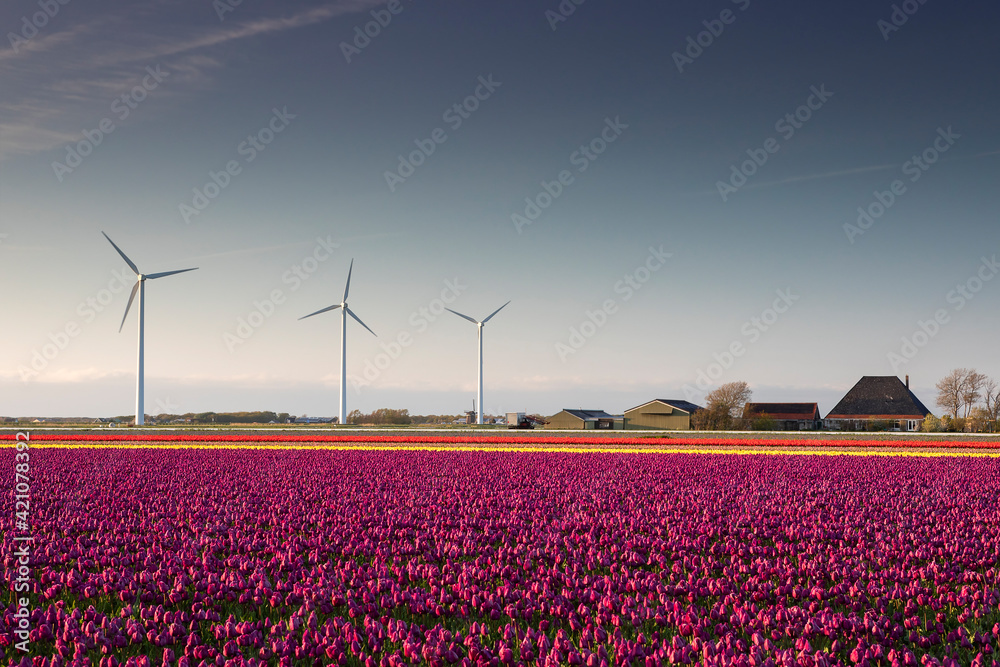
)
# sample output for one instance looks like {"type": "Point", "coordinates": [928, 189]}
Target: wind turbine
{"type": "Point", "coordinates": [344, 312]}
{"type": "Point", "coordinates": [140, 287]}
{"type": "Point", "coordinates": [479, 325]}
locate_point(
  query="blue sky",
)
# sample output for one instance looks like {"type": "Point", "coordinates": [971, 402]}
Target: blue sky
{"type": "Point", "coordinates": [685, 194]}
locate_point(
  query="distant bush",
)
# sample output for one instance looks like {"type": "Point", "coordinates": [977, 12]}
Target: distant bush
{"type": "Point", "coordinates": [953, 425]}
{"type": "Point", "coordinates": [763, 422]}
{"type": "Point", "coordinates": [381, 417]}
{"type": "Point", "coordinates": [875, 425]}
{"type": "Point", "coordinates": [931, 425]}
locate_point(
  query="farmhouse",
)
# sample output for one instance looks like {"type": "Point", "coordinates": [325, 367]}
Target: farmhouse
{"type": "Point", "coordinates": [788, 416]}
{"type": "Point", "coordinates": [661, 414]}
{"type": "Point", "coordinates": [879, 398]}
{"type": "Point", "coordinates": [586, 420]}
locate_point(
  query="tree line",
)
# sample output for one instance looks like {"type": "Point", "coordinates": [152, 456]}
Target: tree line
{"type": "Point", "coordinates": [254, 417]}
{"type": "Point", "coordinates": [970, 400]}
{"type": "Point", "coordinates": [393, 417]}
{"type": "Point", "coordinates": [381, 417]}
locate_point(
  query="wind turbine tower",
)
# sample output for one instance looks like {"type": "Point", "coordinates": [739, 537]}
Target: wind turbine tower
{"type": "Point", "coordinates": [140, 287]}
{"type": "Point", "coordinates": [479, 326]}
{"type": "Point", "coordinates": [344, 312]}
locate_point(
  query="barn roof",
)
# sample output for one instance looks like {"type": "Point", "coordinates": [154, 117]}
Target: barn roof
{"type": "Point", "coordinates": [785, 411]}
{"type": "Point", "coordinates": [879, 396]}
{"type": "Point", "coordinates": [684, 406]}
{"type": "Point", "coordinates": [588, 415]}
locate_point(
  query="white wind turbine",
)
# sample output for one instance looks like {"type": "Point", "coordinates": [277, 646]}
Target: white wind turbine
{"type": "Point", "coordinates": [479, 326]}
{"type": "Point", "coordinates": [140, 287]}
{"type": "Point", "coordinates": [344, 312]}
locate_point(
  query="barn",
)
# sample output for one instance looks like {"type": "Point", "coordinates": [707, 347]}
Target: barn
{"type": "Point", "coordinates": [585, 420]}
{"type": "Point", "coordinates": [788, 416]}
{"type": "Point", "coordinates": [879, 398]}
{"type": "Point", "coordinates": [662, 414]}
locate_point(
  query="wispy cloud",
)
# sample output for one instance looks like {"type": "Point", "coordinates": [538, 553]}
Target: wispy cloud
{"type": "Point", "coordinates": [841, 172]}
{"type": "Point", "coordinates": [250, 252]}
{"type": "Point", "coordinates": [75, 376]}
{"type": "Point", "coordinates": [59, 82]}
{"type": "Point", "coordinates": [820, 176]}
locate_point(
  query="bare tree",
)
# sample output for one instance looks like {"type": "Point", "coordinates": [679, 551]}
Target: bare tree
{"type": "Point", "coordinates": [723, 406]}
{"type": "Point", "coordinates": [972, 387]}
{"type": "Point", "coordinates": [950, 391]}
{"type": "Point", "coordinates": [991, 400]}
{"type": "Point", "coordinates": [730, 398]}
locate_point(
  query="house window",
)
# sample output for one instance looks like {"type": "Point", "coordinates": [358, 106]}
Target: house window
{"type": "Point", "coordinates": [913, 425]}
{"type": "Point", "coordinates": [896, 425]}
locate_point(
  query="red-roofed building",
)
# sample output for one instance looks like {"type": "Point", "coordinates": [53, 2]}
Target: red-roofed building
{"type": "Point", "coordinates": [789, 416]}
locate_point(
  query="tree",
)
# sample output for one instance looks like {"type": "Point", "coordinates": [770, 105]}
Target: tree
{"type": "Point", "coordinates": [723, 406]}
{"type": "Point", "coordinates": [953, 424]}
{"type": "Point", "coordinates": [730, 398]}
{"type": "Point", "coordinates": [931, 425]}
{"type": "Point", "coordinates": [707, 420]}
{"type": "Point", "coordinates": [950, 391]}
{"type": "Point", "coordinates": [979, 420]}
{"type": "Point", "coordinates": [381, 417]}
{"type": "Point", "coordinates": [972, 386]}
{"type": "Point", "coordinates": [991, 401]}
{"type": "Point", "coordinates": [763, 422]}
{"type": "Point", "coordinates": [878, 425]}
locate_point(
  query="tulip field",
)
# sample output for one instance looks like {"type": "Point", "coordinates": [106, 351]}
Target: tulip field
{"type": "Point", "coordinates": [379, 555]}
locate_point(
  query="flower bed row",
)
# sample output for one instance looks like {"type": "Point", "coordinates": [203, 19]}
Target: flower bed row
{"type": "Point", "coordinates": [523, 441]}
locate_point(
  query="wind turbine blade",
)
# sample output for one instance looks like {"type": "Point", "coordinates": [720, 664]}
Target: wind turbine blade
{"type": "Point", "coordinates": [128, 261]}
{"type": "Point", "coordinates": [348, 288]}
{"type": "Point", "coordinates": [358, 319]}
{"type": "Point", "coordinates": [495, 312]}
{"type": "Point", "coordinates": [320, 311]}
{"type": "Point", "coordinates": [153, 276]}
{"type": "Point", "coordinates": [464, 317]}
{"type": "Point", "coordinates": [135, 288]}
